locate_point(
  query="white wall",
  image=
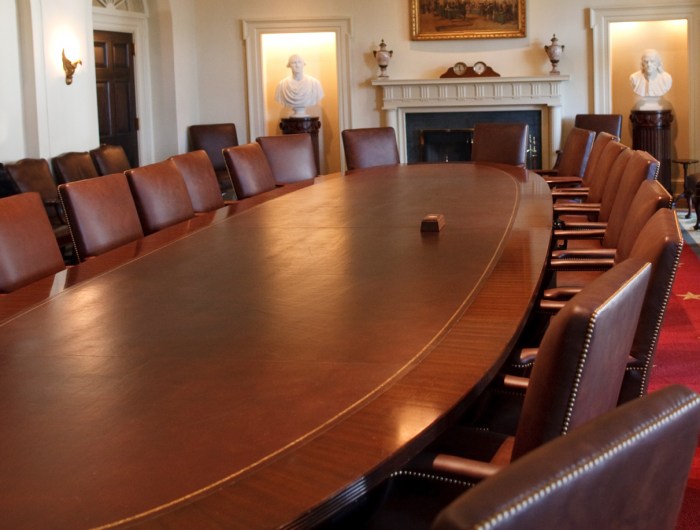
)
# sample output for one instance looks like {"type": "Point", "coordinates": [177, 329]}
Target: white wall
{"type": "Point", "coordinates": [222, 68]}
{"type": "Point", "coordinates": [11, 123]}
{"type": "Point", "coordinates": [67, 114]}
{"type": "Point", "coordinates": [198, 64]}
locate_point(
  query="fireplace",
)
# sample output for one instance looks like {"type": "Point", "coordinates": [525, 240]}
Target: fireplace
{"type": "Point", "coordinates": [446, 136]}
{"type": "Point", "coordinates": [451, 104]}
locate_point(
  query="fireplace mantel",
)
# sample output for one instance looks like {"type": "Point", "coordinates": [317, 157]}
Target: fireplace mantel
{"type": "Point", "coordinates": [403, 96]}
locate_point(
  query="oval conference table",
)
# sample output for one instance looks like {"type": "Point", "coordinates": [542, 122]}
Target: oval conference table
{"type": "Point", "coordinates": [270, 367]}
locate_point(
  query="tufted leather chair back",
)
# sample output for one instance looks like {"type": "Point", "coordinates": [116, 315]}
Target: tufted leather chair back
{"type": "Point", "coordinates": [160, 195]}
{"type": "Point", "coordinates": [609, 123]}
{"type": "Point", "coordinates": [504, 143]}
{"type": "Point", "coordinates": [585, 479]}
{"type": "Point", "coordinates": [291, 157]}
{"type": "Point", "coordinates": [73, 166]}
{"type": "Point", "coordinates": [214, 138]}
{"type": "Point", "coordinates": [622, 232]}
{"type": "Point", "coordinates": [101, 214]}
{"type": "Point", "coordinates": [7, 185]}
{"type": "Point", "coordinates": [369, 147]}
{"type": "Point", "coordinates": [110, 159]}
{"type": "Point", "coordinates": [34, 174]}
{"type": "Point", "coordinates": [200, 179]}
{"type": "Point", "coordinates": [641, 166]}
{"type": "Point", "coordinates": [591, 171]}
{"type": "Point", "coordinates": [660, 243]}
{"type": "Point", "coordinates": [582, 357]}
{"type": "Point", "coordinates": [612, 183]}
{"type": "Point", "coordinates": [28, 248]}
{"type": "Point", "coordinates": [599, 175]}
{"type": "Point", "coordinates": [575, 153]}
{"type": "Point", "coordinates": [250, 172]}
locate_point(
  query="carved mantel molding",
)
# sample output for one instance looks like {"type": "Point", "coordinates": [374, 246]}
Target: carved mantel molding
{"type": "Point", "coordinates": [403, 96]}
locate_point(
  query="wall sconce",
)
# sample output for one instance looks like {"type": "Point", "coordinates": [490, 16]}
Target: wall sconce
{"type": "Point", "coordinates": [69, 67]}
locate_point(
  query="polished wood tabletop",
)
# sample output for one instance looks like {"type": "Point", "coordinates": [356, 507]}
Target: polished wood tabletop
{"type": "Point", "coordinates": [268, 368]}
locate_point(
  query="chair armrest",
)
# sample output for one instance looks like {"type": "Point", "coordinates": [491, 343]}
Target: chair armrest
{"type": "Point", "coordinates": [550, 306]}
{"type": "Point", "coordinates": [555, 181]}
{"type": "Point", "coordinates": [576, 207]}
{"type": "Point", "coordinates": [585, 225]}
{"type": "Point", "coordinates": [582, 254]}
{"type": "Point", "coordinates": [521, 362]}
{"type": "Point", "coordinates": [569, 265]}
{"type": "Point", "coordinates": [573, 189]}
{"type": "Point", "coordinates": [546, 172]}
{"type": "Point", "coordinates": [560, 293]}
{"type": "Point", "coordinates": [516, 382]}
{"type": "Point", "coordinates": [456, 465]}
{"type": "Point", "coordinates": [579, 234]}
{"type": "Point", "coordinates": [569, 193]}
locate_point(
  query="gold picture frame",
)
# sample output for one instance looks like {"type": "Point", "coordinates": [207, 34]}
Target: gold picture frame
{"type": "Point", "coordinates": [467, 19]}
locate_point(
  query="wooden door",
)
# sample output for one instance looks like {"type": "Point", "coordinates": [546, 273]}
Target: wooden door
{"type": "Point", "coordinates": [116, 94]}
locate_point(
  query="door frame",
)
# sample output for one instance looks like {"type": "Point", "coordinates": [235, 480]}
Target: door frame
{"type": "Point", "coordinates": [252, 32]}
{"type": "Point", "coordinates": [599, 20]}
{"type": "Point", "coordinates": [136, 24]}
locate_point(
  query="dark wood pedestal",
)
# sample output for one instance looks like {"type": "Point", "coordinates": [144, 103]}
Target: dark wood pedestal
{"type": "Point", "coordinates": [308, 124]}
{"type": "Point", "coordinates": [651, 131]}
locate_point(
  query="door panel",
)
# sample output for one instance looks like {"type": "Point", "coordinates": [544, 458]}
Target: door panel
{"type": "Point", "coordinates": [116, 92]}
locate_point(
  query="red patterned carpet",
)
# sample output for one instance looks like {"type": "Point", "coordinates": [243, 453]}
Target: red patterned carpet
{"type": "Point", "coordinates": [677, 358]}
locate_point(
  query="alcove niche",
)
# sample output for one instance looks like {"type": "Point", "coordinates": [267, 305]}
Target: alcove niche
{"type": "Point", "coordinates": [324, 46]}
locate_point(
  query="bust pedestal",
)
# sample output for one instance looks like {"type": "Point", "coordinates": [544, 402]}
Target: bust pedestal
{"type": "Point", "coordinates": [306, 124]}
{"type": "Point", "coordinates": [651, 132]}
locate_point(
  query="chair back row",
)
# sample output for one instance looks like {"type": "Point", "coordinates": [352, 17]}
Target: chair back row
{"type": "Point", "coordinates": [586, 479]}
{"type": "Point", "coordinates": [270, 161]}
{"type": "Point", "coordinates": [29, 249]}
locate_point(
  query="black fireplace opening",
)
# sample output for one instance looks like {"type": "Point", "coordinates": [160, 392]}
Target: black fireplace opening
{"type": "Point", "coordinates": [447, 136]}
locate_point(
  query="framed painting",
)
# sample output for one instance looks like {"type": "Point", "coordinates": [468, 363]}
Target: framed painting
{"type": "Point", "coordinates": [467, 19]}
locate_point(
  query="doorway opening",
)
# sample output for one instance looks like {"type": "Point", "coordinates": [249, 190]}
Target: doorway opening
{"type": "Point", "coordinates": [116, 91]}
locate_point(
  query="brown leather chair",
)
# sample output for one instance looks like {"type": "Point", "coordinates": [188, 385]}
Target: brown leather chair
{"type": "Point", "coordinates": [101, 213]}
{"type": "Point", "coordinates": [34, 174]}
{"type": "Point", "coordinates": [214, 138]}
{"type": "Point", "coordinates": [587, 479]}
{"type": "Point", "coordinates": [660, 243]}
{"type": "Point", "coordinates": [651, 234]}
{"type": "Point", "coordinates": [7, 185]}
{"type": "Point", "coordinates": [27, 242]}
{"type": "Point", "coordinates": [291, 157]}
{"type": "Point", "coordinates": [585, 351]}
{"type": "Point", "coordinates": [628, 172]}
{"type": "Point", "coordinates": [369, 147]}
{"type": "Point", "coordinates": [593, 171]}
{"type": "Point", "coordinates": [608, 170]}
{"type": "Point", "coordinates": [609, 123]}
{"type": "Point", "coordinates": [110, 159]}
{"type": "Point", "coordinates": [504, 143]}
{"type": "Point", "coordinates": [160, 195]}
{"type": "Point", "coordinates": [621, 231]}
{"type": "Point", "coordinates": [201, 181]}
{"type": "Point", "coordinates": [73, 166]}
{"type": "Point", "coordinates": [574, 155]}
{"type": "Point", "coordinates": [576, 376]}
{"type": "Point", "coordinates": [250, 172]}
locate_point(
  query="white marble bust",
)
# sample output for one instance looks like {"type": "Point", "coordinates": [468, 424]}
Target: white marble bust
{"type": "Point", "coordinates": [651, 80]}
{"type": "Point", "coordinates": [298, 91]}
